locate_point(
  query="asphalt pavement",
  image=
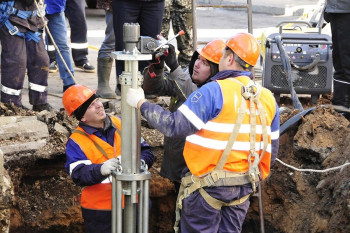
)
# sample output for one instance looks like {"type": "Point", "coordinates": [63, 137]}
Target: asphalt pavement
{"type": "Point", "coordinates": [212, 23]}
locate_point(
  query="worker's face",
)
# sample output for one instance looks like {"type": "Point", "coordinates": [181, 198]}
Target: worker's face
{"type": "Point", "coordinates": [201, 70]}
{"type": "Point", "coordinates": [95, 114]}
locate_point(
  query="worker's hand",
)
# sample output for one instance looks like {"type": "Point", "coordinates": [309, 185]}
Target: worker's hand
{"type": "Point", "coordinates": [133, 96]}
{"type": "Point", "coordinates": [171, 59]}
{"type": "Point", "coordinates": [109, 166]}
{"type": "Point", "coordinates": [158, 60]}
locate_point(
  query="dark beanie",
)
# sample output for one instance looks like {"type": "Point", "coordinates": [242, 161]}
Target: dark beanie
{"type": "Point", "coordinates": [79, 112]}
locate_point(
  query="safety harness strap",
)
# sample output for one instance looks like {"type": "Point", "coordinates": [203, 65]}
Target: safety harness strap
{"type": "Point", "coordinates": [7, 9]}
{"type": "Point", "coordinates": [252, 92]}
{"type": "Point", "coordinates": [213, 178]}
{"type": "Point", "coordinates": [217, 204]}
{"type": "Point", "coordinates": [95, 143]}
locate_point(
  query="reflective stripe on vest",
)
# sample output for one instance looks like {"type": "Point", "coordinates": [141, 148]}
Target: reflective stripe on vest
{"type": "Point", "coordinates": [98, 196]}
{"type": "Point", "coordinates": [203, 150]}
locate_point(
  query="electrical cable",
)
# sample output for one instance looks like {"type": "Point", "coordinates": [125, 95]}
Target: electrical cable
{"type": "Point", "coordinates": [313, 170]}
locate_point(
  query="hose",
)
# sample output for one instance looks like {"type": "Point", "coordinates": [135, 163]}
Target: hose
{"type": "Point", "coordinates": [293, 120]}
{"type": "Point", "coordinates": [288, 71]}
{"type": "Point", "coordinates": [310, 66]}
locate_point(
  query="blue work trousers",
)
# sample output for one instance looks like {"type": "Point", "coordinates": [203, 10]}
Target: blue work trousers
{"type": "Point", "coordinates": [58, 28]}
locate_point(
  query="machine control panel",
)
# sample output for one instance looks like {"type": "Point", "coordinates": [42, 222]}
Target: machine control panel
{"type": "Point", "coordinates": [301, 53]}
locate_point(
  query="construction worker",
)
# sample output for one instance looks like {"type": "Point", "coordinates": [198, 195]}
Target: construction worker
{"type": "Point", "coordinates": [104, 60]}
{"type": "Point", "coordinates": [338, 14]}
{"type": "Point", "coordinates": [232, 129]}
{"type": "Point", "coordinates": [179, 84]}
{"type": "Point", "coordinates": [23, 49]}
{"type": "Point", "coordinates": [179, 12]}
{"type": "Point", "coordinates": [93, 152]}
{"type": "Point", "coordinates": [58, 29]}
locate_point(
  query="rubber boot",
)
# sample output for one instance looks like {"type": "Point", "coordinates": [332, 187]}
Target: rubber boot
{"type": "Point", "coordinates": [104, 67]}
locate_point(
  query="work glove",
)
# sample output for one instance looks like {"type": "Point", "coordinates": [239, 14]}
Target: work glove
{"type": "Point", "coordinates": [109, 166]}
{"type": "Point", "coordinates": [158, 60]}
{"type": "Point", "coordinates": [133, 96]}
{"type": "Point", "coordinates": [171, 60]}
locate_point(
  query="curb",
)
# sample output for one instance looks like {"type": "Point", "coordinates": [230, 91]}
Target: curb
{"type": "Point", "coordinates": [286, 10]}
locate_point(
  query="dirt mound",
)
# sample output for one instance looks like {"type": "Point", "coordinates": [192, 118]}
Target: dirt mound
{"type": "Point", "coordinates": [297, 201]}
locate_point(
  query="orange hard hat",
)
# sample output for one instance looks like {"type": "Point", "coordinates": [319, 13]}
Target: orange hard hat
{"type": "Point", "coordinates": [75, 96]}
{"type": "Point", "coordinates": [245, 46]}
{"type": "Point", "coordinates": [213, 50]}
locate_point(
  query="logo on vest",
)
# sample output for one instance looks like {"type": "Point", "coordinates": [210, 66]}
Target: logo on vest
{"type": "Point", "coordinates": [196, 96]}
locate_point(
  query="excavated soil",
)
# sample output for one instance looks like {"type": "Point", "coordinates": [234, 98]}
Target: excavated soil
{"type": "Point", "coordinates": [45, 199]}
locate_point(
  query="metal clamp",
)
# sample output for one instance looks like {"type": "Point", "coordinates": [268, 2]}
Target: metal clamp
{"type": "Point", "coordinates": [13, 31]}
{"type": "Point", "coordinates": [10, 10]}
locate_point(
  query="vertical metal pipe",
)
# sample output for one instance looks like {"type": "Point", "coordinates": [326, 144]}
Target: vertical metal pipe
{"type": "Point", "coordinates": [194, 24]}
{"type": "Point", "coordinates": [126, 155]}
{"type": "Point", "coordinates": [140, 207]}
{"type": "Point", "coordinates": [250, 16]}
{"type": "Point", "coordinates": [119, 207]}
{"type": "Point", "coordinates": [261, 210]}
{"type": "Point", "coordinates": [135, 134]}
{"type": "Point", "coordinates": [146, 206]}
{"type": "Point", "coordinates": [114, 205]}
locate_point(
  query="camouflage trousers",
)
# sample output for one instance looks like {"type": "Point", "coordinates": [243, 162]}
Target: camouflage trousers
{"type": "Point", "coordinates": [180, 14]}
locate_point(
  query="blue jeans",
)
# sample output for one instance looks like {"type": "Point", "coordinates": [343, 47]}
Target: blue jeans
{"type": "Point", "coordinates": [58, 28]}
{"type": "Point", "coordinates": [108, 45]}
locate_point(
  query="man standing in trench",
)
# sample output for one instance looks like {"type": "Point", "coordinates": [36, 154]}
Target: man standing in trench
{"type": "Point", "coordinates": [92, 154]}
{"type": "Point", "coordinates": [232, 129]}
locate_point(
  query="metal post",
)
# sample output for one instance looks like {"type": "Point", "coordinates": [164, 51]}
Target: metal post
{"type": "Point", "coordinates": [250, 16]}
{"type": "Point", "coordinates": [194, 24]}
{"type": "Point", "coordinates": [261, 210]}
{"type": "Point", "coordinates": [129, 178]}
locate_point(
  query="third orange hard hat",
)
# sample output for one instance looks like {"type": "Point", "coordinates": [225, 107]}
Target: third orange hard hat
{"type": "Point", "coordinates": [75, 96]}
{"type": "Point", "coordinates": [245, 46]}
{"type": "Point", "coordinates": [213, 50]}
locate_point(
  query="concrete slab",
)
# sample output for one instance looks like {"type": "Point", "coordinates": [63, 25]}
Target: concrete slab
{"type": "Point", "coordinates": [23, 146]}
{"type": "Point", "coordinates": [28, 127]}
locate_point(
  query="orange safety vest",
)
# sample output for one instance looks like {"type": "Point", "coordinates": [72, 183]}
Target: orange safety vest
{"type": "Point", "coordinates": [203, 149]}
{"type": "Point", "coordinates": [98, 196]}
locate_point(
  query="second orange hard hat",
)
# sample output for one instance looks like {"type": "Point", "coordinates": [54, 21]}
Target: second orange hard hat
{"type": "Point", "coordinates": [213, 50]}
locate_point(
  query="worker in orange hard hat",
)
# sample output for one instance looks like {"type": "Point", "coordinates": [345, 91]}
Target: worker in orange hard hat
{"type": "Point", "coordinates": [232, 129]}
{"type": "Point", "coordinates": [180, 83]}
{"type": "Point", "coordinates": [93, 152]}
